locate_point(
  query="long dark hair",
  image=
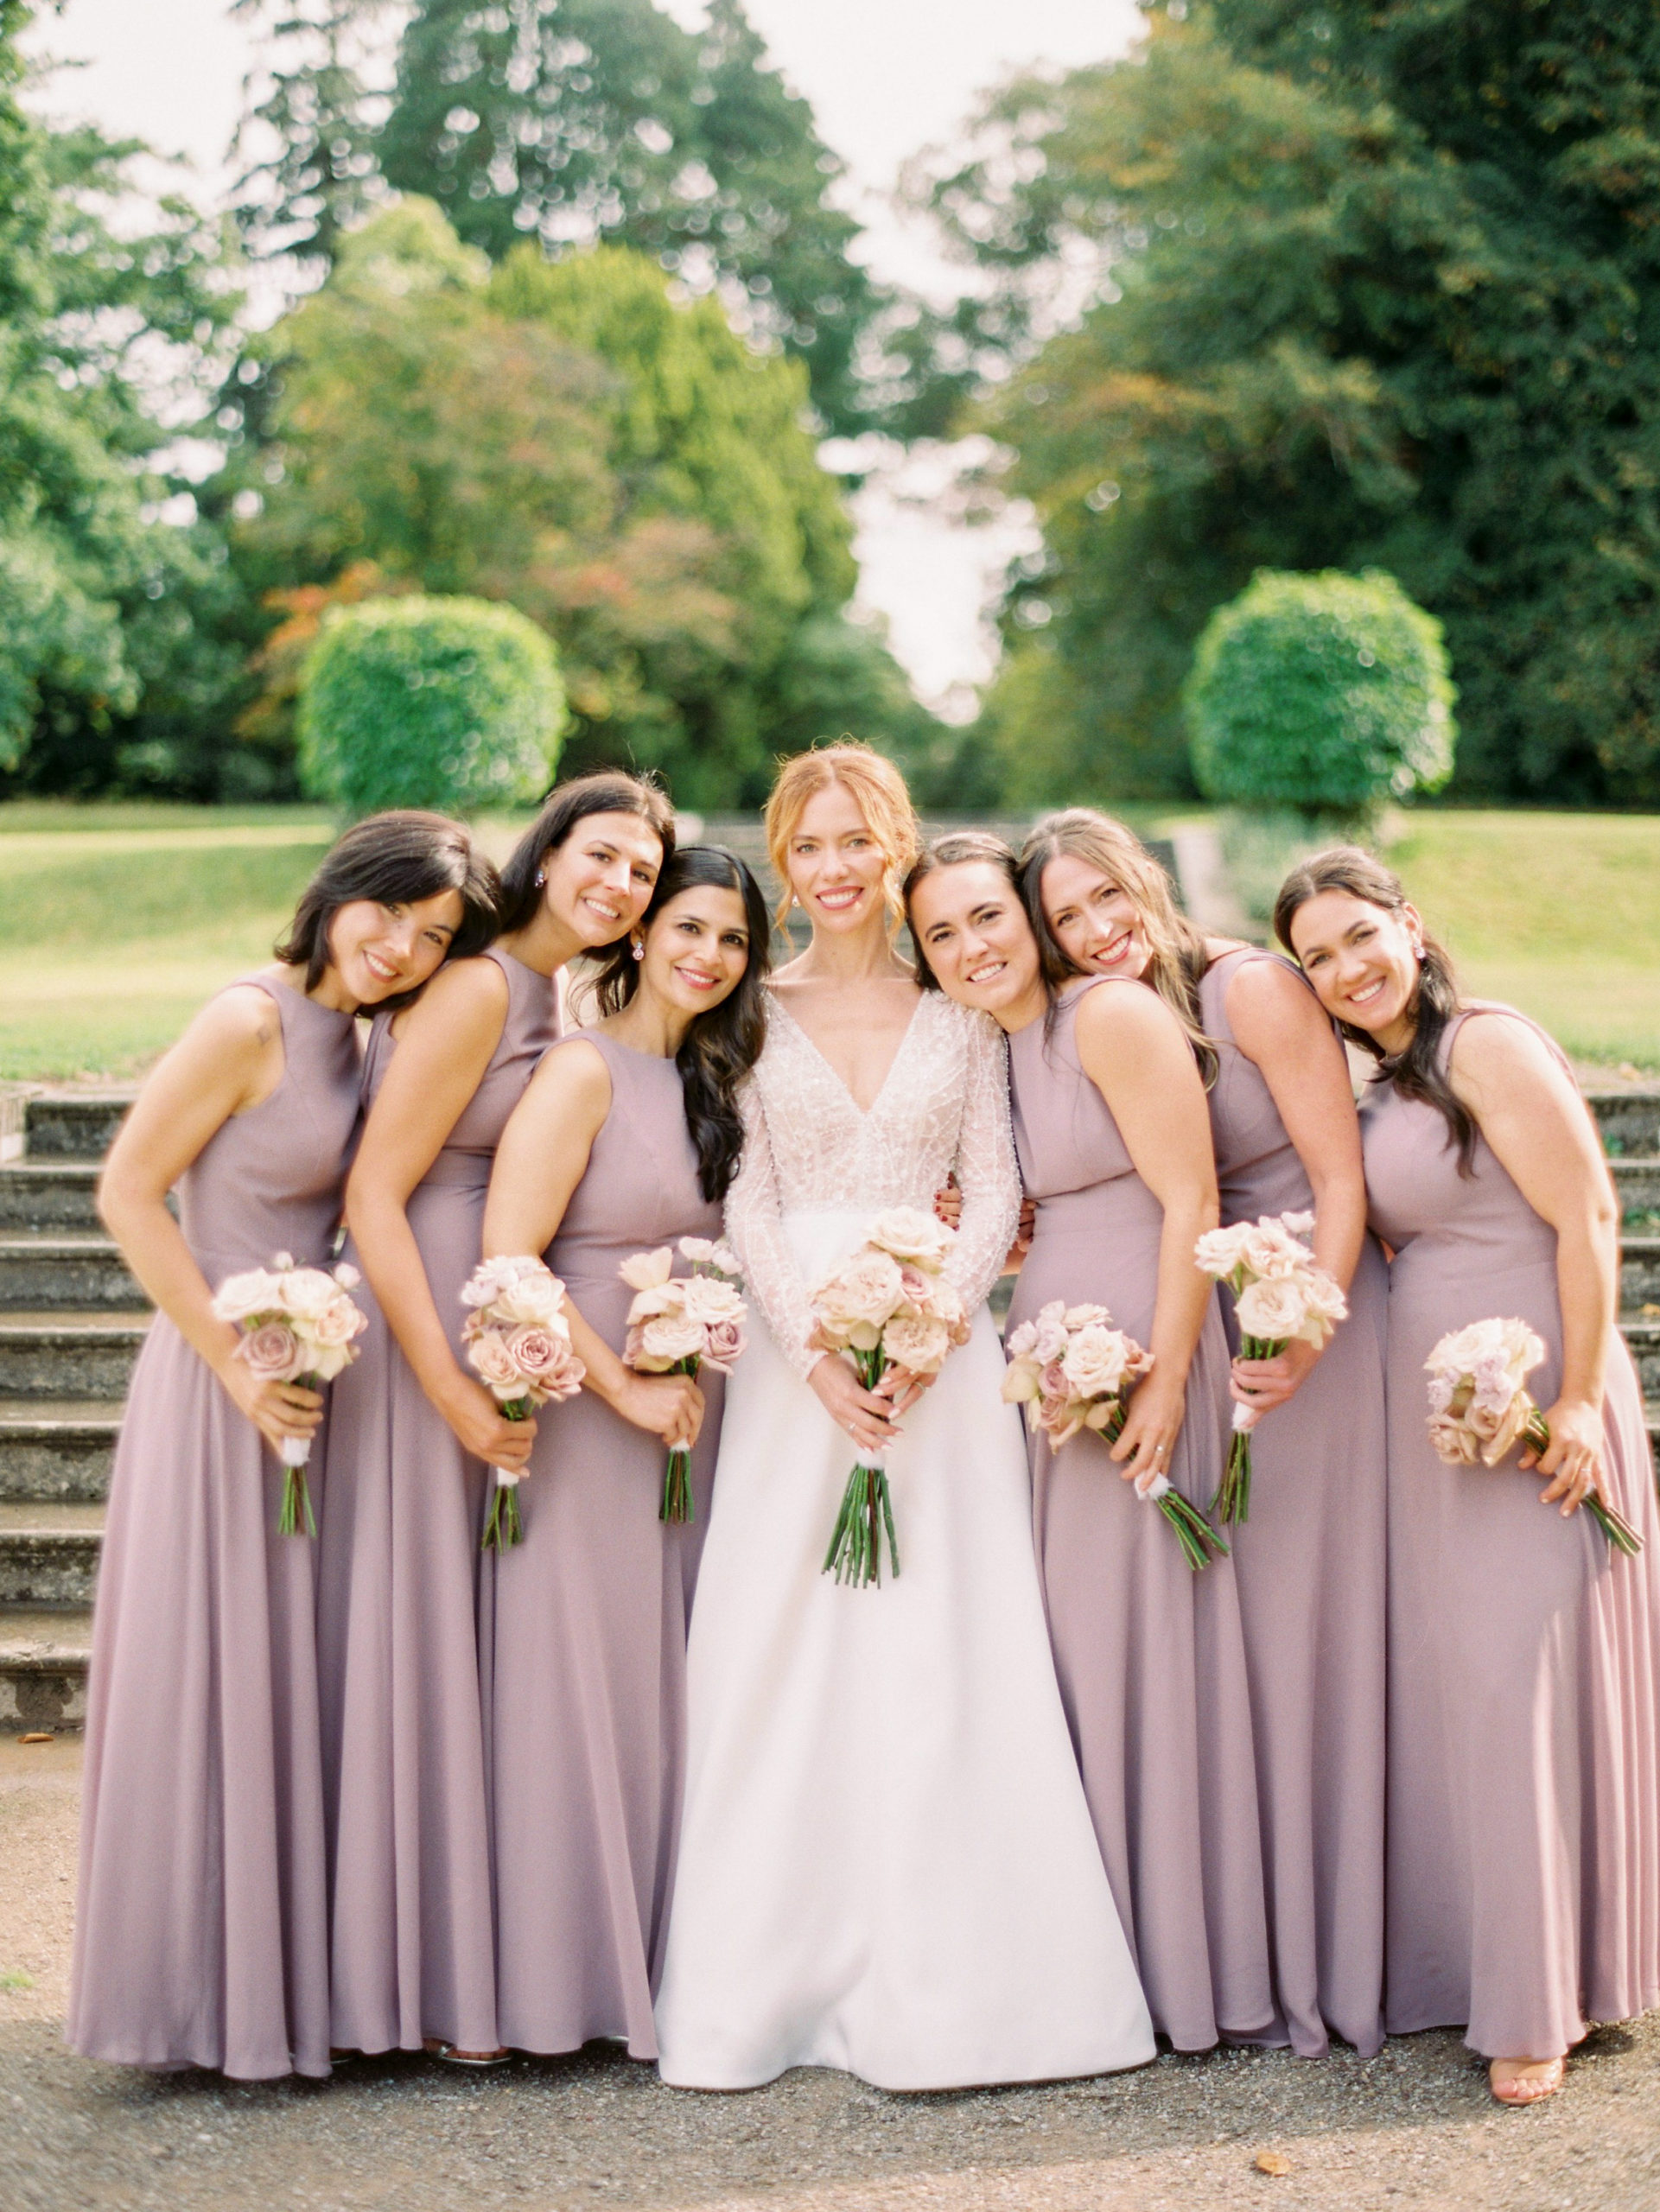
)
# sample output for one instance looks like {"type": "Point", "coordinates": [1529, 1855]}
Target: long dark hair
{"type": "Point", "coordinates": [721, 1045]}
{"type": "Point", "coordinates": [956, 847]}
{"type": "Point", "coordinates": [1417, 1072]}
{"type": "Point", "coordinates": [613, 791]}
{"type": "Point", "coordinates": [396, 859]}
{"type": "Point", "coordinates": [1178, 955]}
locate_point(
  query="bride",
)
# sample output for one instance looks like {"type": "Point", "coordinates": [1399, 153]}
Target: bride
{"type": "Point", "coordinates": [886, 1864]}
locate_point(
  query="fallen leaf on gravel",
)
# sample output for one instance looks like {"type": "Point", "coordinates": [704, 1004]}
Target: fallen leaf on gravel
{"type": "Point", "coordinates": [38, 1736]}
{"type": "Point", "coordinates": [1270, 2162]}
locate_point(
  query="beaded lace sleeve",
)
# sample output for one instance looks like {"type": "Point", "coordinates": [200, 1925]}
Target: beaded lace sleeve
{"type": "Point", "coordinates": [754, 1228]}
{"type": "Point", "coordinates": [986, 1167]}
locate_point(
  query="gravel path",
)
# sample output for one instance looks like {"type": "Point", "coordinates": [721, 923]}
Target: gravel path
{"type": "Point", "coordinates": [1413, 2127]}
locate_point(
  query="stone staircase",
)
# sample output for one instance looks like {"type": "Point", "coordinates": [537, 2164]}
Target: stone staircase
{"type": "Point", "coordinates": [72, 1319]}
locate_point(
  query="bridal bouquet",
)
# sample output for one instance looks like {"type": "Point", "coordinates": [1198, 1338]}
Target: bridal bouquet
{"type": "Point", "coordinates": [678, 1323]}
{"type": "Point", "coordinates": [1281, 1297]}
{"type": "Point", "coordinates": [298, 1325]}
{"type": "Point", "coordinates": [887, 1306]}
{"type": "Point", "coordinates": [1480, 1409]}
{"type": "Point", "coordinates": [518, 1343]}
{"type": "Point", "coordinates": [1075, 1371]}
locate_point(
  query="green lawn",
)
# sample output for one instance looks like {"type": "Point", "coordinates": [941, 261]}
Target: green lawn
{"type": "Point", "coordinates": [116, 922]}
{"type": "Point", "coordinates": [1557, 913]}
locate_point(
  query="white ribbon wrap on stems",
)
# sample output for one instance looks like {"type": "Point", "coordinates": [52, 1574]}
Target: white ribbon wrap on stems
{"type": "Point", "coordinates": [505, 1478]}
{"type": "Point", "coordinates": [295, 1451]}
{"type": "Point", "coordinates": [1152, 1485]}
{"type": "Point", "coordinates": [1245, 1418]}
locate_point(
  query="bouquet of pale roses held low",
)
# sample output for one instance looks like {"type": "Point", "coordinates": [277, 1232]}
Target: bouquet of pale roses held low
{"type": "Point", "coordinates": [1281, 1296]}
{"type": "Point", "coordinates": [518, 1343]}
{"type": "Point", "coordinates": [678, 1323]}
{"type": "Point", "coordinates": [1073, 1370]}
{"type": "Point", "coordinates": [298, 1325]}
{"type": "Point", "coordinates": [888, 1307]}
{"type": "Point", "coordinates": [1480, 1408]}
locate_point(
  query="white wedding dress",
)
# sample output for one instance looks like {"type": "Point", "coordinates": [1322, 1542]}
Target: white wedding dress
{"type": "Point", "coordinates": [885, 1861]}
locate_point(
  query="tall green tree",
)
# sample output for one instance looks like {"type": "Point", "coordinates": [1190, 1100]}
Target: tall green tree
{"type": "Point", "coordinates": [618, 464]}
{"type": "Point", "coordinates": [108, 333]}
{"type": "Point", "coordinates": [572, 123]}
{"type": "Point", "coordinates": [1383, 294]}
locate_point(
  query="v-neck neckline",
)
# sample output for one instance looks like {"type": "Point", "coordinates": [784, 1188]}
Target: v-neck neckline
{"type": "Point", "coordinates": [841, 1081]}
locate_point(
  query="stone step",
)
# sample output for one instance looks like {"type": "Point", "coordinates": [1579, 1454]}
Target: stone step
{"type": "Point", "coordinates": [1637, 1183]}
{"type": "Point", "coordinates": [1639, 1273]}
{"type": "Point", "coordinates": [54, 1195]}
{"type": "Point", "coordinates": [1628, 1121]}
{"type": "Point", "coordinates": [1642, 1333]}
{"type": "Point", "coordinates": [51, 1272]}
{"type": "Point", "coordinates": [48, 1556]}
{"type": "Point", "coordinates": [56, 1451]}
{"type": "Point", "coordinates": [73, 1124]}
{"type": "Point", "coordinates": [43, 1660]}
{"type": "Point", "coordinates": [73, 1355]}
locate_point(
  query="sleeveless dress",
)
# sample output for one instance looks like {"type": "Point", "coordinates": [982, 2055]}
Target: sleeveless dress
{"type": "Point", "coordinates": [412, 1941]}
{"type": "Point", "coordinates": [1310, 1566]}
{"type": "Point", "coordinates": [201, 1927]}
{"type": "Point", "coordinates": [886, 1864]}
{"type": "Point", "coordinates": [1149, 1653]}
{"type": "Point", "coordinates": [1524, 1870]}
{"type": "Point", "coordinates": [588, 1722]}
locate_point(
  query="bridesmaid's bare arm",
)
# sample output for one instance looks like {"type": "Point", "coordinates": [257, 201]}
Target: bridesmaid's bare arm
{"type": "Point", "coordinates": [229, 1060]}
{"type": "Point", "coordinates": [1541, 1134]}
{"type": "Point", "coordinates": [543, 1156]}
{"type": "Point", "coordinates": [1133, 1050]}
{"type": "Point", "coordinates": [1277, 1022]}
{"type": "Point", "coordinates": [444, 1044]}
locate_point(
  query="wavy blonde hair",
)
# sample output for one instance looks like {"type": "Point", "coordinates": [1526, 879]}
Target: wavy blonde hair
{"type": "Point", "coordinates": [880, 792]}
{"type": "Point", "coordinates": [1179, 955]}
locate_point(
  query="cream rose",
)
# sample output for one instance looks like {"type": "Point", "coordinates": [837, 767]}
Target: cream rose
{"type": "Point", "coordinates": [495, 1365]}
{"type": "Point", "coordinates": [708, 1299]}
{"type": "Point", "coordinates": [1096, 1362]}
{"type": "Point", "coordinates": [668, 1339]}
{"type": "Point", "coordinates": [908, 1233]}
{"type": "Point", "coordinates": [1272, 1311]}
{"type": "Point", "coordinates": [918, 1344]}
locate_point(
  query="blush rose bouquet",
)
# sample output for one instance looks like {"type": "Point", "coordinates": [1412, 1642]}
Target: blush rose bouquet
{"type": "Point", "coordinates": [299, 1324]}
{"type": "Point", "coordinates": [1481, 1408]}
{"type": "Point", "coordinates": [1282, 1296]}
{"type": "Point", "coordinates": [1073, 1370]}
{"type": "Point", "coordinates": [888, 1307]}
{"type": "Point", "coordinates": [677, 1324]}
{"type": "Point", "coordinates": [517, 1343]}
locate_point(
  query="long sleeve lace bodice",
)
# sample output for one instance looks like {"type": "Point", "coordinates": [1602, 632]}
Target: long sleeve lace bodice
{"type": "Point", "coordinates": [942, 1110]}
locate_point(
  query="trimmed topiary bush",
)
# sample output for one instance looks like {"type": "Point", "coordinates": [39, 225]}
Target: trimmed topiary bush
{"type": "Point", "coordinates": [1322, 695]}
{"type": "Point", "coordinates": [450, 703]}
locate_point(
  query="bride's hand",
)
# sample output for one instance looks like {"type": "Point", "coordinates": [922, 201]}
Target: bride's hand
{"type": "Point", "coordinates": [867, 1417]}
{"type": "Point", "coordinates": [902, 1389]}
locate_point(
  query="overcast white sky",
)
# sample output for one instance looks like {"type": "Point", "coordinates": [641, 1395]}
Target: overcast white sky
{"type": "Point", "coordinates": [885, 76]}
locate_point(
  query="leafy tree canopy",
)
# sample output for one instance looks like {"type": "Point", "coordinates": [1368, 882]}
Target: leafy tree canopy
{"type": "Point", "coordinates": [106, 330]}
{"type": "Point", "coordinates": [567, 437]}
{"type": "Point", "coordinates": [1381, 293]}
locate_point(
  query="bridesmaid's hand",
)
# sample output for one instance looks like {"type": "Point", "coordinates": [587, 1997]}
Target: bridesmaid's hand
{"type": "Point", "coordinates": [1148, 1441]}
{"type": "Point", "coordinates": [1262, 1384]}
{"type": "Point", "coordinates": [867, 1417]}
{"type": "Point", "coordinates": [277, 1410]}
{"type": "Point", "coordinates": [1573, 1459]}
{"type": "Point", "coordinates": [669, 1406]}
{"type": "Point", "coordinates": [481, 1428]}
{"type": "Point", "coordinates": [948, 1203]}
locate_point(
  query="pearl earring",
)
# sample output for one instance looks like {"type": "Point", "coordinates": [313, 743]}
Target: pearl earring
{"type": "Point", "coordinates": [1419, 950]}
{"type": "Point", "coordinates": [541, 877]}
{"type": "Point", "coordinates": [639, 951]}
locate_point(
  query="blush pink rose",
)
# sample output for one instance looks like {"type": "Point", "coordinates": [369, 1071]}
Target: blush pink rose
{"type": "Point", "coordinates": [724, 1342]}
{"type": "Point", "coordinates": [271, 1351]}
{"type": "Point", "coordinates": [494, 1365]}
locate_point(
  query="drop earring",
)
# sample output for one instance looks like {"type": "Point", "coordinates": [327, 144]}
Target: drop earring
{"type": "Point", "coordinates": [541, 877]}
{"type": "Point", "coordinates": [639, 950]}
{"type": "Point", "coordinates": [1419, 950]}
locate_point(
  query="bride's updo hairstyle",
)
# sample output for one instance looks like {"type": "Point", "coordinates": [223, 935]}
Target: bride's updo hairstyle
{"type": "Point", "coordinates": [1179, 958]}
{"type": "Point", "coordinates": [396, 859]}
{"type": "Point", "coordinates": [878, 790]}
{"type": "Point", "coordinates": [1417, 1072]}
{"type": "Point", "coordinates": [956, 850]}
{"type": "Point", "coordinates": [719, 1049]}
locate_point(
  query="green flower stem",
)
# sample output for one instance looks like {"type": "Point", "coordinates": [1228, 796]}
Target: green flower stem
{"type": "Point", "coordinates": [677, 1504]}
{"type": "Point", "coordinates": [502, 1528]}
{"type": "Point", "coordinates": [1612, 1523]}
{"type": "Point", "coordinates": [1232, 1499]}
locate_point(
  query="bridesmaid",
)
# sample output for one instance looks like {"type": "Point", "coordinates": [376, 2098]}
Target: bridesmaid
{"type": "Point", "coordinates": [202, 1928]}
{"type": "Point", "coordinates": [1523, 1872]}
{"type": "Point", "coordinates": [412, 1944]}
{"type": "Point", "coordinates": [1115, 1148]}
{"type": "Point", "coordinates": [626, 1140]}
{"type": "Point", "coordinates": [1310, 1560]}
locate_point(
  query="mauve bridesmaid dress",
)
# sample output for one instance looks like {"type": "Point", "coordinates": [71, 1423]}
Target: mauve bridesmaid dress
{"type": "Point", "coordinates": [412, 1941]}
{"type": "Point", "coordinates": [589, 1665]}
{"type": "Point", "coordinates": [201, 1928]}
{"type": "Point", "coordinates": [1310, 1568]}
{"type": "Point", "coordinates": [1523, 1868]}
{"type": "Point", "coordinates": [1150, 1655]}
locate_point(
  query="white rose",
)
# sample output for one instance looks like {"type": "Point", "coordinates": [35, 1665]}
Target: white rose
{"type": "Point", "coordinates": [708, 1299]}
{"type": "Point", "coordinates": [646, 1270]}
{"type": "Point", "coordinates": [908, 1233]}
{"type": "Point", "coordinates": [308, 1292]}
{"type": "Point", "coordinates": [1272, 1311]}
{"type": "Point", "coordinates": [670, 1338]}
{"type": "Point", "coordinates": [254, 1291]}
{"type": "Point", "coordinates": [1096, 1362]}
